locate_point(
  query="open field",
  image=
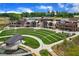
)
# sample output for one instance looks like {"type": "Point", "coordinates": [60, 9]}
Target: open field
{"type": "Point", "coordinates": [31, 42]}
{"type": "Point", "coordinates": [46, 36]}
{"type": "Point", "coordinates": [33, 36]}
{"type": "Point", "coordinates": [4, 39]}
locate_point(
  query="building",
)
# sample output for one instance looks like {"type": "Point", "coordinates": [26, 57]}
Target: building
{"type": "Point", "coordinates": [67, 25]}
{"type": "Point", "coordinates": [71, 24]}
{"type": "Point", "coordinates": [11, 47]}
{"type": "Point", "coordinates": [19, 23]}
{"type": "Point", "coordinates": [13, 42]}
{"type": "Point", "coordinates": [32, 22]}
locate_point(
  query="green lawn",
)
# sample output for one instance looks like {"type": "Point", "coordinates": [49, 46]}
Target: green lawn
{"type": "Point", "coordinates": [4, 39]}
{"type": "Point", "coordinates": [28, 41]}
{"type": "Point", "coordinates": [31, 42]}
{"type": "Point", "coordinates": [46, 36]}
{"type": "Point", "coordinates": [44, 53]}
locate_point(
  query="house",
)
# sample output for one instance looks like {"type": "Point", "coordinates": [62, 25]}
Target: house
{"type": "Point", "coordinates": [67, 25]}
{"type": "Point", "coordinates": [13, 42]}
{"type": "Point", "coordinates": [37, 21]}
{"type": "Point", "coordinates": [50, 24]}
{"type": "Point", "coordinates": [31, 22]}
{"type": "Point", "coordinates": [44, 22]}
{"type": "Point", "coordinates": [71, 24]}
{"type": "Point", "coordinates": [18, 23]}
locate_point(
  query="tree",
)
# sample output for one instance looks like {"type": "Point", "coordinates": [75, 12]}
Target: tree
{"type": "Point", "coordinates": [4, 15]}
{"type": "Point", "coordinates": [37, 14]}
{"type": "Point", "coordinates": [25, 14]}
{"type": "Point", "coordinates": [64, 14]}
{"type": "Point", "coordinates": [14, 16]}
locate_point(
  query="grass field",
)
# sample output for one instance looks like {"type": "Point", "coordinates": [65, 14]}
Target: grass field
{"type": "Point", "coordinates": [31, 42]}
{"type": "Point", "coordinates": [4, 39]}
{"type": "Point", "coordinates": [27, 41]}
{"type": "Point", "coordinates": [46, 36]}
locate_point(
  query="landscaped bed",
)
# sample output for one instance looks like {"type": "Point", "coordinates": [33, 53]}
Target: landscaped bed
{"type": "Point", "coordinates": [68, 48]}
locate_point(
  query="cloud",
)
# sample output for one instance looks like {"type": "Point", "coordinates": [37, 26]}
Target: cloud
{"type": "Point", "coordinates": [9, 11]}
{"type": "Point", "coordinates": [1, 11]}
{"type": "Point", "coordinates": [12, 11]}
{"type": "Point", "coordinates": [18, 10]}
{"type": "Point", "coordinates": [75, 8]}
{"type": "Point", "coordinates": [66, 8]}
{"type": "Point", "coordinates": [45, 7]}
{"type": "Point", "coordinates": [22, 9]}
{"type": "Point", "coordinates": [61, 5]}
{"type": "Point", "coordinates": [75, 4]}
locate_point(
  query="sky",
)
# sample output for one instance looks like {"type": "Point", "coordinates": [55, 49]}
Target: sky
{"type": "Point", "coordinates": [38, 7]}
